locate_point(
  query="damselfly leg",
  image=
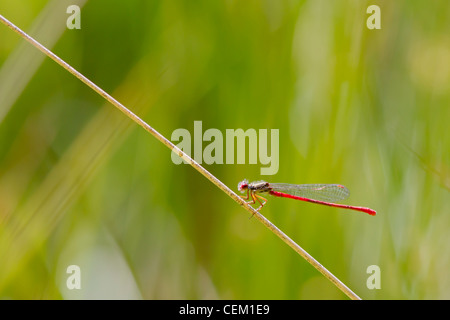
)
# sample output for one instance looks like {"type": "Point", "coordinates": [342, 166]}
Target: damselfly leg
{"type": "Point", "coordinates": [255, 198]}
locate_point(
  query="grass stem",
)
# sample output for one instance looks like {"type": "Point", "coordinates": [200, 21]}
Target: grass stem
{"type": "Point", "coordinates": [188, 159]}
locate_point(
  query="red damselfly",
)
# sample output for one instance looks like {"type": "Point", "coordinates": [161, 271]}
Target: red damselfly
{"type": "Point", "coordinates": [325, 194]}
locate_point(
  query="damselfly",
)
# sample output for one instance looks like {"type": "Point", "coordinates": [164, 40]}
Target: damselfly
{"type": "Point", "coordinates": [325, 194]}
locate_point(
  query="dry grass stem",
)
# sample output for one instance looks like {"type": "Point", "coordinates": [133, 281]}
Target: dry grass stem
{"type": "Point", "coordinates": [188, 159]}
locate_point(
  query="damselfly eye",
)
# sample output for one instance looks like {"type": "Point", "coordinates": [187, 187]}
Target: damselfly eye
{"type": "Point", "coordinates": [243, 185]}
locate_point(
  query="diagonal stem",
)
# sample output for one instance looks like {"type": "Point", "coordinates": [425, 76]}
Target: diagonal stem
{"type": "Point", "coordinates": [188, 159]}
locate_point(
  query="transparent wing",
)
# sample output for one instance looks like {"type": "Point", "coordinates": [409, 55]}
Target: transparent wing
{"type": "Point", "coordinates": [321, 192]}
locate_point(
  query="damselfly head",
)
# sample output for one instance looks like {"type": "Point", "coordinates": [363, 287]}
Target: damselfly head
{"type": "Point", "coordinates": [243, 185]}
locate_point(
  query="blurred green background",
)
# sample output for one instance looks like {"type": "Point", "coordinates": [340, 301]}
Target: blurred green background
{"type": "Point", "coordinates": [81, 184]}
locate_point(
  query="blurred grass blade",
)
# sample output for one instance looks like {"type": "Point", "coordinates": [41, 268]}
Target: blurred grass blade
{"type": "Point", "coordinates": [31, 224]}
{"type": "Point", "coordinates": [23, 63]}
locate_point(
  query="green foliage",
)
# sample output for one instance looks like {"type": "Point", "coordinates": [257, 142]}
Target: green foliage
{"type": "Point", "coordinates": [81, 184]}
